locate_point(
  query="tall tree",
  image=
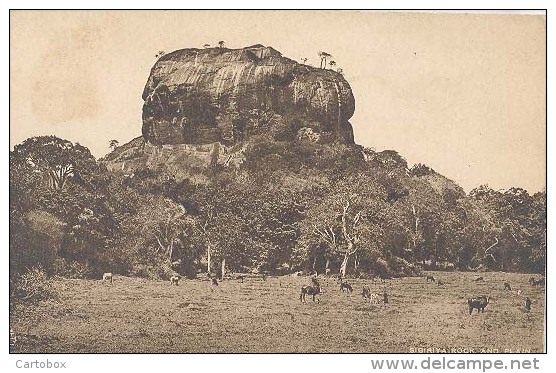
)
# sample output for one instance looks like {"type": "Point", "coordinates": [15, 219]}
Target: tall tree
{"type": "Point", "coordinates": [113, 144]}
{"type": "Point", "coordinates": [57, 160]}
{"type": "Point", "coordinates": [323, 56]}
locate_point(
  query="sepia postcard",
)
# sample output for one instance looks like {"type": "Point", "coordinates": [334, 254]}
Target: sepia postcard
{"type": "Point", "coordinates": [287, 181]}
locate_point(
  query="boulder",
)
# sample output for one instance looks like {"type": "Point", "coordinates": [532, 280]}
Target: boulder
{"type": "Point", "coordinates": [200, 96]}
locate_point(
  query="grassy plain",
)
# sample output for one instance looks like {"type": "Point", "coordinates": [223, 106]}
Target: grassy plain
{"type": "Point", "coordinates": [142, 316]}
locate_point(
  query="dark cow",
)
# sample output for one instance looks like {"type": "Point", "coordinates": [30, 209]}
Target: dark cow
{"type": "Point", "coordinates": [366, 292]}
{"type": "Point", "coordinates": [310, 290]}
{"type": "Point", "coordinates": [535, 282]}
{"type": "Point", "coordinates": [479, 303]}
{"type": "Point", "coordinates": [430, 278]}
{"type": "Point", "coordinates": [528, 304]}
{"type": "Point", "coordinates": [345, 287]}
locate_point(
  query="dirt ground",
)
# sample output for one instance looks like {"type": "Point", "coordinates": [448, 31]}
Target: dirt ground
{"type": "Point", "coordinates": [137, 315]}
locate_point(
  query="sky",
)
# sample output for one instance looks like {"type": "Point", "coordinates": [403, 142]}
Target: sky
{"type": "Point", "coordinates": [463, 93]}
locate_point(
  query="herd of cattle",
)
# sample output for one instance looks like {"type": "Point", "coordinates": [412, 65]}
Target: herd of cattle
{"type": "Point", "coordinates": [479, 302]}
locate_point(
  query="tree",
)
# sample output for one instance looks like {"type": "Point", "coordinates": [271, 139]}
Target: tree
{"type": "Point", "coordinates": [57, 160]}
{"type": "Point", "coordinates": [515, 221]}
{"type": "Point", "coordinates": [159, 54]}
{"type": "Point", "coordinates": [157, 235]}
{"type": "Point", "coordinates": [332, 64]}
{"type": "Point", "coordinates": [113, 144]}
{"type": "Point", "coordinates": [221, 44]}
{"type": "Point", "coordinates": [206, 46]}
{"type": "Point", "coordinates": [348, 218]}
{"type": "Point", "coordinates": [220, 208]}
{"type": "Point", "coordinates": [304, 60]}
{"type": "Point", "coordinates": [163, 222]}
{"type": "Point", "coordinates": [323, 56]}
{"type": "Point", "coordinates": [63, 180]}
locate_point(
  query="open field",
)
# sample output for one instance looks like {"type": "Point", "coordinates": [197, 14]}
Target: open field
{"type": "Point", "coordinates": [137, 315]}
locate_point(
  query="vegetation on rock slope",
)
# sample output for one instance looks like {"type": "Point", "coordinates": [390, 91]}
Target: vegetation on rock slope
{"type": "Point", "coordinates": [291, 205]}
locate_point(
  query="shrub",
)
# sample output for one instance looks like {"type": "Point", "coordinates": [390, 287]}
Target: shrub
{"type": "Point", "coordinates": [33, 285]}
{"type": "Point", "coordinates": [161, 271]}
{"type": "Point", "coordinates": [72, 269]}
{"type": "Point", "coordinates": [401, 267]}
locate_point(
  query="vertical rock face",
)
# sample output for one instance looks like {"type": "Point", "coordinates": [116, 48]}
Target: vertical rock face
{"type": "Point", "coordinates": [197, 96]}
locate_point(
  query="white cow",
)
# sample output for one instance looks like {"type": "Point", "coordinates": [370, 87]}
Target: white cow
{"type": "Point", "coordinates": [108, 276]}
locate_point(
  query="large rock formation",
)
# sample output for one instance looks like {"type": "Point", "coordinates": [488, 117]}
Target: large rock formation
{"type": "Point", "coordinates": [198, 96]}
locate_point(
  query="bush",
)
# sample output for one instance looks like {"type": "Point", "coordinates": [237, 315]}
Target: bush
{"type": "Point", "coordinates": [401, 267]}
{"type": "Point", "coordinates": [72, 269]}
{"type": "Point", "coordinates": [153, 271]}
{"type": "Point", "coordinates": [394, 267]}
{"type": "Point", "coordinates": [33, 285]}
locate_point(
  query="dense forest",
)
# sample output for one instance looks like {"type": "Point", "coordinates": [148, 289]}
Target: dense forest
{"type": "Point", "coordinates": [290, 206]}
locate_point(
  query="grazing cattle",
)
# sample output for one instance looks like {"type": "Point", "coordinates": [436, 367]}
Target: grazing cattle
{"type": "Point", "coordinates": [430, 278]}
{"type": "Point", "coordinates": [214, 282]}
{"type": "Point", "coordinates": [480, 278]}
{"type": "Point", "coordinates": [539, 282]}
{"type": "Point", "coordinates": [108, 276]}
{"type": "Point", "coordinates": [528, 304]}
{"type": "Point", "coordinates": [374, 298]}
{"type": "Point", "coordinates": [240, 278]}
{"type": "Point", "coordinates": [507, 286]}
{"type": "Point", "coordinates": [345, 287]}
{"type": "Point", "coordinates": [366, 292]}
{"type": "Point", "coordinates": [310, 290]}
{"type": "Point", "coordinates": [175, 279]}
{"type": "Point", "coordinates": [439, 282]}
{"type": "Point", "coordinates": [479, 303]}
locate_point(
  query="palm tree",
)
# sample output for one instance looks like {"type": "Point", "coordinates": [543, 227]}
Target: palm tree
{"type": "Point", "coordinates": [323, 56]}
{"type": "Point", "coordinates": [221, 43]}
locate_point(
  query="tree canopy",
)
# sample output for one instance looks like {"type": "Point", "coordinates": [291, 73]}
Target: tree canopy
{"type": "Point", "coordinates": [291, 205]}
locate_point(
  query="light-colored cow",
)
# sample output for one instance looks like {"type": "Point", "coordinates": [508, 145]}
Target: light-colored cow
{"type": "Point", "coordinates": [108, 276]}
{"type": "Point", "coordinates": [175, 279]}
